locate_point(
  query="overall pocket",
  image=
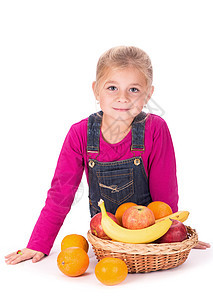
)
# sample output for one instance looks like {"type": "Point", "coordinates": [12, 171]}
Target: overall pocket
{"type": "Point", "coordinates": [116, 186]}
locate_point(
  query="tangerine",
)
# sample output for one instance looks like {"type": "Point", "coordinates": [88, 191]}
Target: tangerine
{"type": "Point", "coordinates": [111, 270]}
{"type": "Point", "coordinates": [74, 240]}
{"type": "Point", "coordinates": [121, 209]}
{"type": "Point", "coordinates": [160, 209]}
{"type": "Point", "coordinates": [73, 261]}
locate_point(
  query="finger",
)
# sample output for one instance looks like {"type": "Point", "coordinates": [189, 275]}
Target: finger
{"type": "Point", "coordinates": [38, 256]}
{"type": "Point", "coordinates": [13, 254]}
{"type": "Point", "coordinates": [8, 260]}
{"type": "Point", "coordinates": [16, 258]}
{"type": "Point", "coordinates": [9, 255]}
{"type": "Point", "coordinates": [199, 247]}
{"type": "Point", "coordinates": [207, 245]}
{"type": "Point", "coordinates": [202, 245]}
{"type": "Point", "coordinates": [11, 258]}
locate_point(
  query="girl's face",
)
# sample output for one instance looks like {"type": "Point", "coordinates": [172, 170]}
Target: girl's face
{"type": "Point", "coordinates": [123, 93]}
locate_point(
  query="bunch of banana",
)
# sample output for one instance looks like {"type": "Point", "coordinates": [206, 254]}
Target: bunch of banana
{"type": "Point", "coordinates": [138, 236]}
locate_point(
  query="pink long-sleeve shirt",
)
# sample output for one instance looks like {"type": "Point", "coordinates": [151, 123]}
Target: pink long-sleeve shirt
{"type": "Point", "coordinates": [159, 163]}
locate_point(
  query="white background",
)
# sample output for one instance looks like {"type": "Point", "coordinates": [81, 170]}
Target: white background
{"type": "Point", "coordinates": [48, 56]}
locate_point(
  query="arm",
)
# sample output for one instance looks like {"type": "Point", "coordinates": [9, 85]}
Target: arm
{"type": "Point", "coordinates": [59, 199]}
{"type": "Point", "coordinates": [60, 196]}
{"type": "Point", "coordinates": [162, 172]}
{"type": "Point", "coordinates": [162, 168]}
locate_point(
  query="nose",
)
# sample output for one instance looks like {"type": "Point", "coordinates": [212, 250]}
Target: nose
{"type": "Point", "coordinates": [122, 97]}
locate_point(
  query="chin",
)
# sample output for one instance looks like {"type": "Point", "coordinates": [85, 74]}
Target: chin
{"type": "Point", "coordinates": [121, 115]}
{"type": "Point", "coordinates": [124, 115]}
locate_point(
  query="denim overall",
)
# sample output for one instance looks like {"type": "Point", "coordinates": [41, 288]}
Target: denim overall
{"type": "Point", "coordinates": [120, 181]}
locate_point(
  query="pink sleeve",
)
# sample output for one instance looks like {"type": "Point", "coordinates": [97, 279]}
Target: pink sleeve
{"type": "Point", "coordinates": [162, 168]}
{"type": "Point", "coordinates": [60, 196]}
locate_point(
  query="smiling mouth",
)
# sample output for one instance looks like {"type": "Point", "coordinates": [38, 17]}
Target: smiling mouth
{"type": "Point", "coordinates": [121, 109]}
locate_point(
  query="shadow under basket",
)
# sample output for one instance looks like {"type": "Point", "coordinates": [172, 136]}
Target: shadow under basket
{"type": "Point", "coordinates": [142, 258]}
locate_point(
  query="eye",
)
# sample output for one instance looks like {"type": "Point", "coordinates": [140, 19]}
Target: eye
{"type": "Point", "coordinates": [134, 90]}
{"type": "Point", "coordinates": [112, 88]}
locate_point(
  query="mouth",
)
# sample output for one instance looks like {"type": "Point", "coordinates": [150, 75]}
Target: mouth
{"type": "Point", "coordinates": [121, 109]}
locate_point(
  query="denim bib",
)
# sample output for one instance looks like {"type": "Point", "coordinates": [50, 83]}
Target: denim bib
{"type": "Point", "coordinates": [120, 181]}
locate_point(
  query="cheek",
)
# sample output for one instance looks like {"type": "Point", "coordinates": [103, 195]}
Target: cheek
{"type": "Point", "coordinates": [138, 100]}
{"type": "Point", "coordinates": [104, 103]}
{"type": "Point", "coordinates": [106, 98]}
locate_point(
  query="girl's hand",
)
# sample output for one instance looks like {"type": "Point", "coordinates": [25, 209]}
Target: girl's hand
{"type": "Point", "coordinates": [202, 245]}
{"type": "Point", "coordinates": [14, 258]}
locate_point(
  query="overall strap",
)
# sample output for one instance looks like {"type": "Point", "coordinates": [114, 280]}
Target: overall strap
{"type": "Point", "coordinates": [138, 129]}
{"type": "Point", "coordinates": [93, 132]}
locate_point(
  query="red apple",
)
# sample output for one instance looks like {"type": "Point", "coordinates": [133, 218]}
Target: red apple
{"type": "Point", "coordinates": [138, 217]}
{"type": "Point", "coordinates": [176, 233]}
{"type": "Point", "coordinates": [96, 228]}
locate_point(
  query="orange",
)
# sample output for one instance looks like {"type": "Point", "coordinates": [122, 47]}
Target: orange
{"type": "Point", "coordinates": [121, 209]}
{"type": "Point", "coordinates": [111, 270]}
{"type": "Point", "coordinates": [74, 240]}
{"type": "Point", "coordinates": [160, 209]}
{"type": "Point", "coordinates": [73, 261]}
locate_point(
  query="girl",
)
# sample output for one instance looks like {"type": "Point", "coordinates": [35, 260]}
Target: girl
{"type": "Point", "coordinates": [127, 155]}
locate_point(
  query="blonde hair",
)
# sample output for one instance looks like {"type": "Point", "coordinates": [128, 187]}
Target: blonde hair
{"type": "Point", "coordinates": [123, 57]}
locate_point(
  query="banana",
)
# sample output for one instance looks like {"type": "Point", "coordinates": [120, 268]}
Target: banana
{"type": "Point", "coordinates": [138, 236]}
{"type": "Point", "coordinates": [181, 215]}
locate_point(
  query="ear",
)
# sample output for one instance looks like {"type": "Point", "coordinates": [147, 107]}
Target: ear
{"type": "Point", "coordinates": [149, 94]}
{"type": "Point", "coordinates": [95, 90]}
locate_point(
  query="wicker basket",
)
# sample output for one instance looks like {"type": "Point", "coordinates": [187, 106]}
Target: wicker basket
{"type": "Point", "coordinates": [145, 257]}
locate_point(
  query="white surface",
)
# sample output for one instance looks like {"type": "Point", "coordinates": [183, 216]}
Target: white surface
{"type": "Point", "coordinates": [48, 55]}
{"type": "Point", "coordinates": [44, 280]}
